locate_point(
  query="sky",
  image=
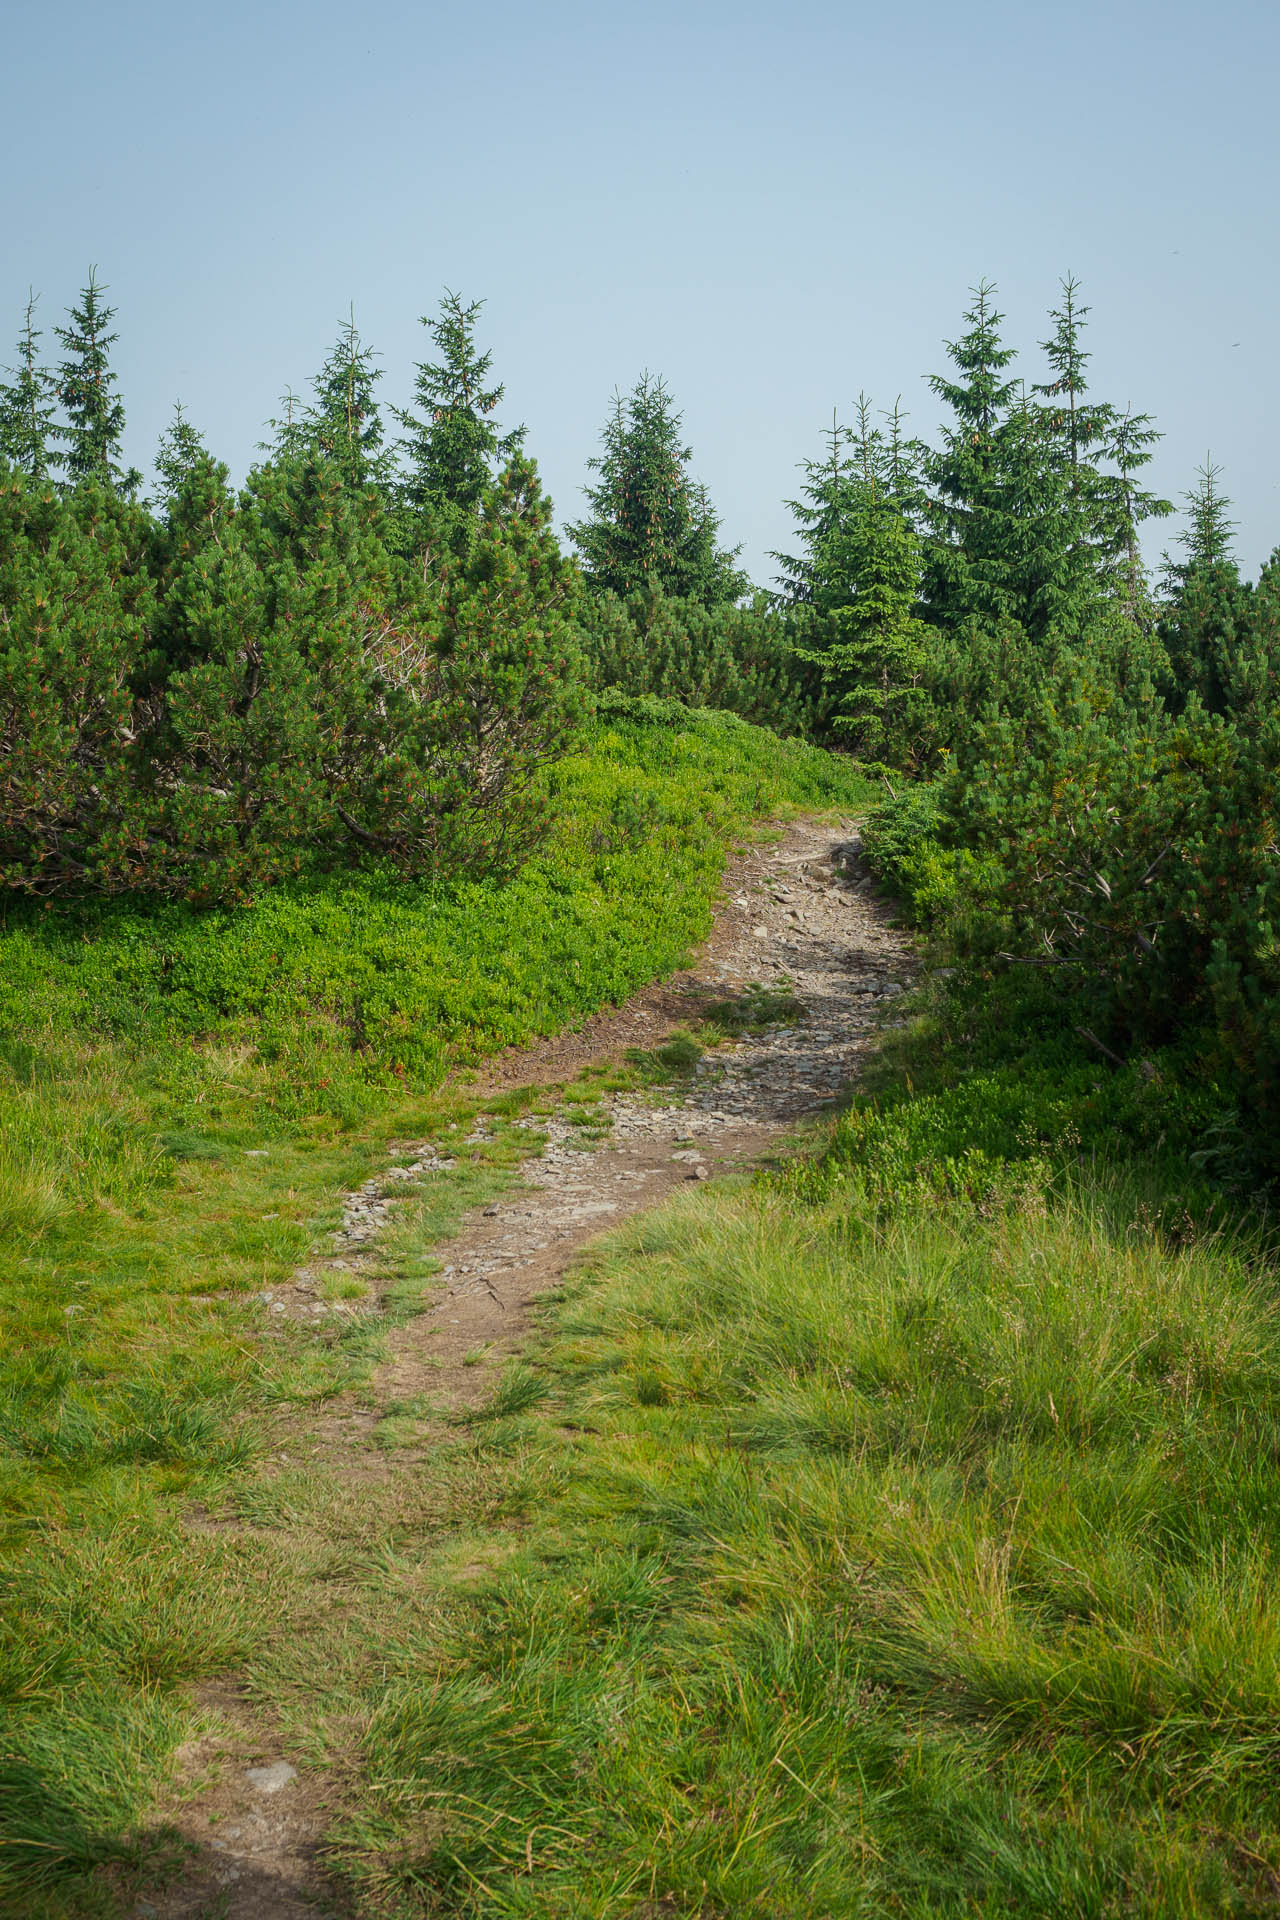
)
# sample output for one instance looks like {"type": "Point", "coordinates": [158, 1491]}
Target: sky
{"type": "Point", "coordinates": [772, 207]}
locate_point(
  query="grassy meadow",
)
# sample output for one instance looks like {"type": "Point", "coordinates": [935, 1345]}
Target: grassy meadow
{"type": "Point", "coordinates": [894, 1534]}
{"type": "Point", "coordinates": [184, 1097]}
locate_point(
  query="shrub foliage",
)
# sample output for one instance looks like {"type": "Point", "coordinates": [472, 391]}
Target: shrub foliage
{"type": "Point", "coordinates": [252, 685]}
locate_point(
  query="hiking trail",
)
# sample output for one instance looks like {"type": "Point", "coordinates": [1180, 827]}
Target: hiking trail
{"type": "Point", "coordinates": [799, 917]}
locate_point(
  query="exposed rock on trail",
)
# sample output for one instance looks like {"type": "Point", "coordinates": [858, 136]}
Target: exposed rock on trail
{"type": "Point", "coordinates": [799, 921]}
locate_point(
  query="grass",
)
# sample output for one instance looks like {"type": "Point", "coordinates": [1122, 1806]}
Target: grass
{"type": "Point", "coordinates": [895, 1534]}
{"type": "Point", "coordinates": [871, 1544]}
{"type": "Point", "coordinates": [184, 1098]}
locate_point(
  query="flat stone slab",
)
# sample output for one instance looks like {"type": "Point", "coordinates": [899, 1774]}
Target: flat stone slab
{"type": "Point", "coordinates": [270, 1779]}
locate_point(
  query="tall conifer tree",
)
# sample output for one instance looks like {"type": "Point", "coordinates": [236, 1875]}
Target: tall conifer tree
{"type": "Point", "coordinates": [826, 502]}
{"type": "Point", "coordinates": [86, 386]}
{"type": "Point", "coordinates": [453, 446]}
{"type": "Point", "coordinates": [859, 579]}
{"type": "Point", "coordinates": [291, 431]}
{"type": "Point", "coordinates": [1011, 503]}
{"type": "Point", "coordinates": [1123, 505]}
{"type": "Point", "coordinates": [27, 406]}
{"type": "Point", "coordinates": [651, 523]}
{"type": "Point", "coordinates": [1087, 437]}
{"type": "Point", "coordinates": [345, 420]}
{"type": "Point", "coordinates": [1209, 540]}
{"type": "Point", "coordinates": [967, 564]}
{"type": "Point", "coordinates": [179, 451]}
{"type": "Point", "coordinates": [1077, 424]}
{"type": "Point", "coordinates": [903, 458]}
{"type": "Point", "coordinates": [1207, 618]}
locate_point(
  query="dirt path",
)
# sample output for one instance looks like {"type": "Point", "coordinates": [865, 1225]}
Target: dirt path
{"type": "Point", "coordinates": [798, 918]}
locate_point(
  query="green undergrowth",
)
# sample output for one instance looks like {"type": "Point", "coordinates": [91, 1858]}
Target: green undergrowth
{"type": "Point", "coordinates": [334, 992]}
{"type": "Point", "coordinates": [894, 1534]}
{"type": "Point", "coordinates": [184, 1097]}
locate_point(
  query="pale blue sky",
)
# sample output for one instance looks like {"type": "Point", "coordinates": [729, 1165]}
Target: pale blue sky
{"type": "Point", "coordinates": [771, 207]}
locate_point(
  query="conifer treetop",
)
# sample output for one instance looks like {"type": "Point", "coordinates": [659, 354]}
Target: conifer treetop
{"type": "Point", "coordinates": [344, 419]}
{"type": "Point", "coordinates": [28, 416]}
{"type": "Point", "coordinates": [651, 522]}
{"type": "Point", "coordinates": [86, 387]}
{"type": "Point", "coordinates": [452, 445]}
{"type": "Point", "coordinates": [1208, 540]}
{"type": "Point", "coordinates": [179, 451]}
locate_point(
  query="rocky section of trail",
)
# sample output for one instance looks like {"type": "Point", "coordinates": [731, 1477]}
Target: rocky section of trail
{"type": "Point", "coordinates": [801, 925]}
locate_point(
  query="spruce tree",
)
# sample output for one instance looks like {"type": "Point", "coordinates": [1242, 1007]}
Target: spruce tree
{"type": "Point", "coordinates": [1053, 573]}
{"type": "Point", "coordinates": [1070, 418]}
{"type": "Point", "coordinates": [179, 451]}
{"type": "Point", "coordinates": [862, 465]}
{"type": "Point", "coordinates": [873, 649]}
{"type": "Point", "coordinates": [86, 387]}
{"type": "Point", "coordinates": [292, 437]}
{"type": "Point", "coordinates": [1124, 505]}
{"type": "Point", "coordinates": [651, 523]}
{"type": "Point", "coordinates": [1072, 428]}
{"type": "Point", "coordinates": [967, 560]}
{"type": "Point", "coordinates": [1007, 539]}
{"type": "Point", "coordinates": [903, 462]}
{"type": "Point", "coordinates": [344, 421]}
{"type": "Point", "coordinates": [453, 446]}
{"type": "Point", "coordinates": [192, 505]}
{"type": "Point", "coordinates": [859, 580]}
{"type": "Point", "coordinates": [27, 412]}
{"type": "Point", "coordinates": [1106, 508]}
{"type": "Point", "coordinates": [826, 501]}
{"type": "Point", "coordinates": [1208, 540]}
{"type": "Point", "coordinates": [1207, 618]}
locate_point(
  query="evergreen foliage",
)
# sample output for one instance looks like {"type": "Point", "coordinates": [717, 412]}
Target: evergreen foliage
{"type": "Point", "coordinates": [86, 387]}
{"type": "Point", "coordinates": [1208, 541]}
{"type": "Point", "coordinates": [1124, 505]}
{"type": "Point", "coordinates": [28, 412]}
{"type": "Point", "coordinates": [452, 444]}
{"type": "Point", "coordinates": [179, 452]}
{"type": "Point", "coordinates": [292, 437]}
{"type": "Point", "coordinates": [822, 513]}
{"type": "Point", "coordinates": [1220, 633]}
{"type": "Point", "coordinates": [1034, 505]}
{"type": "Point", "coordinates": [743, 660]}
{"type": "Point", "coordinates": [650, 521]}
{"type": "Point", "coordinates": [968, 555]}
{"type": "Point", "coordinates": [75, 603]}
{"type": "Point", "coordinates": [858, 580]}
{"type": "Point", "coordinates": [344, 421]}
{"type": "Point", "coordinates": [1077, 426]}
{"type": "Point", "coordinates": [205, 703]}
{"type": "Point", "coordinates": [192, 506]}
{"type": "Point", "coordinates": [350, 663]}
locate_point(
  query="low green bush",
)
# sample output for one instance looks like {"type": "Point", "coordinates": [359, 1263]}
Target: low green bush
{"type": "Point", "coordinates": [244, 689]}
{"type": "Point", "coordinates": [739, 659]}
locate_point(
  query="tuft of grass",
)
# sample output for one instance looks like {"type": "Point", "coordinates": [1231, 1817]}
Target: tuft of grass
{"type": "Point", "coordinates": [520, 1388]}
{"type": "Point", "coordinates": [754, 1011]}
{"type": "Point", "coordinates": [674, 1060]}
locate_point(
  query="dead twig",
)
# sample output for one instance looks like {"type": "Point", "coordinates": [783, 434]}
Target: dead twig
{"type": "Point", "coordinates": [1101, 1045]}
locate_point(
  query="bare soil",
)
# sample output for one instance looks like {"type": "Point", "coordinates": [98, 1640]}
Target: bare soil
{"type": "Point", "coordinates": [800, 917]}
